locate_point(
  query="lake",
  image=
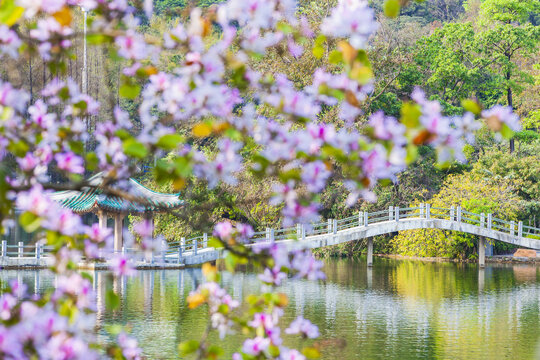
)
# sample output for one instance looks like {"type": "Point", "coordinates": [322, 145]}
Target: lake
{"type": "Point", "coordinates": [399, 309]}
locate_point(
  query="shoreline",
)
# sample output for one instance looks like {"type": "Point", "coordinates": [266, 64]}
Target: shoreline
{"type": "Point", "coordinates": [496, 259]}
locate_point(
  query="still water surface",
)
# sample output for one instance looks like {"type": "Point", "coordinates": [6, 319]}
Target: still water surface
{"type": "Point", "coordinates": [397, 310]}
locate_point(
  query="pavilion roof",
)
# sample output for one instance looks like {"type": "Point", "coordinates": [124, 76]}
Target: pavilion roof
{"type": "Point", "coordinates": [92, 199]}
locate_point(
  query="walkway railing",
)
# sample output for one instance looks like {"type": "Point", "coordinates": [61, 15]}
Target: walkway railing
{"type": "Point", "coordinates": [176, 252]}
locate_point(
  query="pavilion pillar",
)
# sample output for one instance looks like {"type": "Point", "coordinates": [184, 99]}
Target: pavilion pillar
{"type": "Point", "coordinates": [150, 218]}
{"type": "Point", "coordinates": [118, 232]}
{"type": "Point", "coordinates": [102, 219]}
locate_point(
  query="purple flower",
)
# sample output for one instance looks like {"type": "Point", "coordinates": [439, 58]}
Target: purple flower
{"type": "Point", "coordinates": [307, 266]}
{"type": "Point", "coordinates": [245, 231]}
{"type": "Point", "coordinates": [272, 276]}
{"type": "Point", "coordinates": [351, 18]}
{"type": "Point", "coordinates": [303, 327]}
{"type": "Point", "coordinates": [129, 346]}
{"type": "Point", "coordinates": [314, 175]}
{"type": "Point", "coordinates": [503, 115]}
{"type": "Point", "coordinates": [263, 320]}
{"type": "Point", "coordinates": [144, 228]}
{"type": "Point", "coordinates": [9, 42]}
{"type": "Point", "coordinates": [132, 46]}
{"type": "Point", "coordinates": [69, 162]}
{"type": "Point", "coordinates": [290, 354]}
{"type": "Point", "coordinates": [255, 346]}
{"type": "Point", "coordinates": [121, 266]}
{"type": "Point", "coordinates": [98, 234]}
{"type": "Point", "coordinates": [223, 230]}
{"type": "Point", "coordinates": [7, 302]}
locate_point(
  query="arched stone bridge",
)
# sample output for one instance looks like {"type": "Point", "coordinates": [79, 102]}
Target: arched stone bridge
{"type": "Point", "coordinates": [367, 225]}
{"type": "Point", "coordinates": [364, 225]}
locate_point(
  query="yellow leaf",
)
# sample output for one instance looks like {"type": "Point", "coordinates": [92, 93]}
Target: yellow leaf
{"type": "Point", "coordinates": [10, 13]}
{"type": "Point", "coordinates": [202, 130]}
{"type": "Point", "coordinates": [150, 70]}
{"type": "Point", "coordinates": [220, 127]}
{"type": "Point", "coordinates": [283, 300]}
{"type": "Point", "coordinates": [361, 73]}
{"type": "Point", "coordinates": [194, 300]}
{"type": "Point", "coordinates": [63, 16]}
{"type": "Point", "coordinates": [208, 269]}
{"type": "Point", "coordinates": [349, 53]}
{"type": "Point", "coordinates": [178, 184]}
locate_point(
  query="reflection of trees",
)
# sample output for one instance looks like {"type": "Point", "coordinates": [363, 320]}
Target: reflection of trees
{"type": "Point", "coordinates": [411, 310]}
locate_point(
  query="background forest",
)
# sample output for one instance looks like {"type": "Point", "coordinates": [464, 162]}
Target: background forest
{"type": "Point", "coordinates": [484, 50]}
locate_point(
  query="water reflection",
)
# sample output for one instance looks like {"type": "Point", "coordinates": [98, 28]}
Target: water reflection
{"type": "Point", "coordinates": [397, 309]}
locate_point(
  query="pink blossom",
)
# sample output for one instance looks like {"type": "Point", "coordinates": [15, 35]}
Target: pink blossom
{"type": "Point", "coordinates": [69, 162]}
{"type": "Point", "coordinates": [290, 354]}
{"type": "Point", "coordinates": [223, 230]}
{"type": "Point", "coordinates": [98, 234]}
{"type": "Point", "coordinates": [263, 320]}
{"type": "Point", "coordinates": [144, 228]}
{"type": "Point", "coordinates": [255, 346]}
{"type": "Point", "coordinates": [307, 266]}
{"type": "Point", "coordinates": [315, 175]}
{"type": "Point", "coordinates": [121, 266]}
{"type": "Point", "coordinates": [245, 231]}
{"type": "Point", "coordinates": [272, 276]}
{"type": "Point", "coordinates": [64, 221]}
{"type": "Point", "coordinates": [129, 346]}
{"type": "Point", "coordinates": [303, 327]}
{"type": "Point", "coordinates": [9, 42]}
{"type": "Point", "coordinates": [132, 46]}
{"type": "Point", "coordinates": [34, 201]}
{"type": "Point", "coordinates": [7, 302]}
{"type": "Point", "coordinates": [505, 115]}
{"type": "Point", "coordinates": [353, 19]}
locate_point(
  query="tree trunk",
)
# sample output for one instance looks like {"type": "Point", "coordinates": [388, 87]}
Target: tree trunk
{"type": "Point", "coordinates": [510, 103]}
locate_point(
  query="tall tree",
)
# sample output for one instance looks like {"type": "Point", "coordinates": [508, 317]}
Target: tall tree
{"type": "Point", "coordinates": [507, 34]}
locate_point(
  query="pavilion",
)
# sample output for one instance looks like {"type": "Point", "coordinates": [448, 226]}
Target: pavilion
{"type": "Point", "coordinates": [92, 199]}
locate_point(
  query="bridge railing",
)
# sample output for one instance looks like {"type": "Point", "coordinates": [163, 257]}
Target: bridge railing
{"type": "Point", "coordinates": [192, 246]}
{"type": "Point", "coordinates": [394, 214]}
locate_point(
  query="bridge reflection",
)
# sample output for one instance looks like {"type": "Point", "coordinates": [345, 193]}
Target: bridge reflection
{"type": "Point", "coordinates": [399, 306]}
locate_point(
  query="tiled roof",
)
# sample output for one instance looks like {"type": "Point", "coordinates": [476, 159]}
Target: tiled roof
{"type": "Point", "coordinates": [91, 199]}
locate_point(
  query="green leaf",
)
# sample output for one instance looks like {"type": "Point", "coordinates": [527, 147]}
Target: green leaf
{"type": "Point", "coordinates": [135, 149]}
{"type": "Point", "coordinates": [169, 141]}
{"type": "Point", "coordinates": [114, 329]}
{"type": "Point", "coordinates": [215, 351]}
{"type": "Point", "coordinates": [410, 114]}
{"type": "Point", "coordinates": [19, 148]}
{"type": "Point", "coordinates": [10, 13]}
{"type": "Point", "coordinates": [284, 27]}
{"type": "Point", "coordinates": [112, 300]}
{"type": "Point", "coordinates": [77, 146]}
{"type": "Point", "coordinates": [130, 91]}
{"type": "Point", "coordinates": [188, 347]}
{"type": "Point", "coordinates": [215, 243]}
{"type": "Point", "coordinates": [97, 39]}
{"type": "Point", "coordinates": [318, 51]}
{"type": "Point", "coordinates": [91, 161]}
{"type": "Point", "coordinates": [391, 8]}
{"type": "Point", "coordinates": [335, 57]}
{"type": "Point", "coordinates": [471, 106]}
{"type": "Point", "coordinates": [506, 132]}
{"type": "Point", "coordinates": [230, 262]}
{"type": "Point", "coordinates": [30, 222]}
{"type": "Point", "coordinates": [293, 174]}
{"type": "Point", "coordinates": [412, 154]}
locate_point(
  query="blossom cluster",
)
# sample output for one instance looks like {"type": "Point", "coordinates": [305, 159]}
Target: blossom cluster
{"type": "Point", "coordinates": [215, 91]}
